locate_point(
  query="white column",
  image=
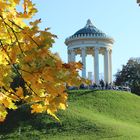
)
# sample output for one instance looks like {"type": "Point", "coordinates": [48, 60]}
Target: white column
{"type": "Point", "coordinates": [106, 66]}
{"type": "Point", "coordinates": [96, 65]}
{"type": "Point", "coordinates": [83, 55]}
{"type": "Point", "coordinates": [69, 56]}
{"type": "Point", "coordinates": [72, 55]}
{"type": "Point", "coordinates": [110, 64]}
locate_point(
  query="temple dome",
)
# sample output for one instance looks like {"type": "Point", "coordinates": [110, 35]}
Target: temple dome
{"type": "Point", "coordinates": [89, 32]}
{"type": "Point", "coordinates": [90, 29]}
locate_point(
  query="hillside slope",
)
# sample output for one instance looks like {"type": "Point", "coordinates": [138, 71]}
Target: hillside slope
{"type": "Point", "coordinates": [91, 115]}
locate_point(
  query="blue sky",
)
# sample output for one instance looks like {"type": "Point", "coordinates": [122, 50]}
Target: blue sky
{"type": "Point", "coordinates": [119, 19]}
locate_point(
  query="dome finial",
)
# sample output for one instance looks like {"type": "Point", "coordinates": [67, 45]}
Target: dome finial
{"type": "Point", "coordinates": [89, 23]}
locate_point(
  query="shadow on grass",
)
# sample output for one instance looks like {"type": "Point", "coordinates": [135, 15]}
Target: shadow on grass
{"type": "Point", "coordinates": [25, 121]}
{"type": "Point", "coordinates": [14, 119]}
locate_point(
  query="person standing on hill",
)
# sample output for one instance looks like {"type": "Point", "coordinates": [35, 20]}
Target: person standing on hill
{"type": "Point", "coordinates": [102, 84]}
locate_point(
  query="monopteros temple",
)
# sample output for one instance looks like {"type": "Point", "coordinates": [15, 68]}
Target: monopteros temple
{"type": "Point", "coordinates": [91, 41]}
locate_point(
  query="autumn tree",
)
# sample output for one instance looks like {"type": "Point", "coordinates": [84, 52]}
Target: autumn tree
{"type": "Point", "coordinates": [25, 49]}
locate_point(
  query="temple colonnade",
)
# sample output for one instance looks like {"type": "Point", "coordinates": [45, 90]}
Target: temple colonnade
{"type": "Point", "coordinates": [94, 52]}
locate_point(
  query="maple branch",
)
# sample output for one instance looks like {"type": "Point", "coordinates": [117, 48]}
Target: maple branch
{"type": "Point", "coordinates": [5, 51]}
{"type": "Point", "coordinates": [28, 71]}
{"type": "Point", "coordinates": [8, 33]}
{"type": "Point", "coordinates": [28, 35]}
{"type": "Point", "coordinates": [16, 68]}
{"type": "Point", "coordinates": [13, 33]}
{"type": "Point", "coordinates": [10, 92]}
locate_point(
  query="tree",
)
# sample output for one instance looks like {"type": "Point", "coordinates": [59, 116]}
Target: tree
{"type": "Point", "coordinates": [130, 75]}
{"type": "Point", "coordinates": [25, 49]}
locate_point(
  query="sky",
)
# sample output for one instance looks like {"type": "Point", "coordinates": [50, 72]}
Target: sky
{"type": "Point", "coordinates": [119, 19]}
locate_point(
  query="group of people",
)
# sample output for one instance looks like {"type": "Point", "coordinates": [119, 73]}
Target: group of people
{"type": "Point", "coordinates": [101, 86]}
{"type": "Point", "coordinates": [104, 86]}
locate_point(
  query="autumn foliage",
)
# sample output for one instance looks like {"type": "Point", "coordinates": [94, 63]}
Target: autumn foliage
{"type": "Point", "coordinates": [25, 49]}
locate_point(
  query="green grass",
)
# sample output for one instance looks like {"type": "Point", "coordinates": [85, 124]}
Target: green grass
{"type": "Point", "coordinates": [91, 115]}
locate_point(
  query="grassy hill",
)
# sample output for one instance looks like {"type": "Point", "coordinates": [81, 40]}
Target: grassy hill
{"type": "Point", "coordinates": [91, 115]}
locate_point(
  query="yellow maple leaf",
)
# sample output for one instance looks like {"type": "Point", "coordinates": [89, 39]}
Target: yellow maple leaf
{"type": "Point", "coordinates": [62, 106]}
{"type": "Point", "coordinates": [49, 111]}
{"type": "Point", "coordinates": [7, 102]}
{"type": "Point", "coordinates": [3, 113]}
{"type": "Point", "coordinates": [37, 108]}
{"type": "Point", "coordinates": [19, 92]}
